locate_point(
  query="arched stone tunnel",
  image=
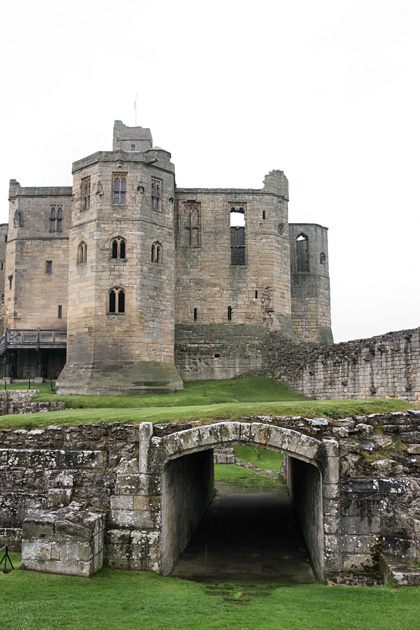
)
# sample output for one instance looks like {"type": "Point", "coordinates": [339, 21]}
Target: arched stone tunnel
{"type": "Point", "coordinates": [185, 463]}
{"type": "Point", "coordinates": [137, 492]}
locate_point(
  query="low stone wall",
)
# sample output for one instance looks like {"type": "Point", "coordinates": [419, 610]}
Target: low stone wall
{"type": "Point", "coordinates": [387, 366]}
{"type": "Point", "coordinates": [369, 470]}
{"type": "Point", "coordinates": [21, 401]}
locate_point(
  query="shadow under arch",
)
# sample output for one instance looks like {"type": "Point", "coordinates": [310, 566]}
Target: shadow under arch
{"type": "Point", "coordinates": [185, 463]}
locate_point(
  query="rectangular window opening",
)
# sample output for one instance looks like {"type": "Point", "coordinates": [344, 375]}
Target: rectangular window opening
{"type": "Point", "coordinates": [10, 282]}
{"type": "Point", "coordinates": [48, 266]}
{"type": "Point", "coordinates": [60, 312]}
{"type": "Point", "coordinates": [229, 313]}
{"type": "Point", "coordinates": [263, 214]}
{"type": "Point", "coordinates": [195, 314]}
{"type": "Point", "coordinates": [256, 295]}
{"type": "Point", "coordinates": [237, 235]}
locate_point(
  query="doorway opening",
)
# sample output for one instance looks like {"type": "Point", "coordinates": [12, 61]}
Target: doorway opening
{"type": "Point", "coordinates": [257, 529]}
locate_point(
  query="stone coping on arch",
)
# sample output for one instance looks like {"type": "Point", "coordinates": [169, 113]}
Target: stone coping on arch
{"type": "Point", "coordinates": [289, 441]}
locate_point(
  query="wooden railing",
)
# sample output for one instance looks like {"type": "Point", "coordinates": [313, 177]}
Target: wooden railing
{"type": "Point", "coordinates": [33, 338]}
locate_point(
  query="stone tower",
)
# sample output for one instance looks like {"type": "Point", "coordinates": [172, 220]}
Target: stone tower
{"type": "Point", "coordinates": [311, 309]}
{"type": "Point", "coordinates": [120, 334]}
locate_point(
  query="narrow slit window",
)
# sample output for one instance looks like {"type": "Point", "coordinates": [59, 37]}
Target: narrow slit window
{"type": "Point", "coordinates": [53, 218]}
{"type": "Point", "coordinates": [229, 313]}
{"type": "Point", "coordinates": [59, 219]}
{"type": "Point", "coordinates": [48, 266]}
{"type": "Point", "coordinates": [86, 193]}
{"type": "Point", "coordinates": [60, 312]}
{"type": "Point", "coordinates": [195, 314]}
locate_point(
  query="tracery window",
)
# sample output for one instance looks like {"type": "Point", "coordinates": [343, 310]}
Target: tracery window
{"type": "Point", "coordinates": [156, 254]}
{"type": "Point", "coordinates": [118, 247]}
{"type": "Point", "coordinates": [86, 193]}
{"type": "Point", "coordinates": [82, 253]}
{"type": "Point", "coordinates": [156, 193]}
{"type": "Point", "coordinates": [120, 188]}
{"type": "Point", "coordinates": [56, 219]}
{"type": "Point", "coordinates": [192, 212]}
{"type": "Point", "coordinates": [116, 303]}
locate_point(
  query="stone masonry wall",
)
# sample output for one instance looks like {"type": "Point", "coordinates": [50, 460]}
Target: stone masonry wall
{"type": "Point", "coordinates": [208, 284]}
{"type": "Point", "coordinates": [370, 480]}
{"type": "Point", "coordinates": [386, 366]}
{"type": "Point", "coordinates": [18, 401]}
{"type": "Point", "coordinates": [33, 289]}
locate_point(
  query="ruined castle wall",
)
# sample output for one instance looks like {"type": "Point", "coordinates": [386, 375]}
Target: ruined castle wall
{"type": "Point", "coordinates": [369, 471]}
{"type": "Point", "coordinates": [310, 284]}
{"type": "Point", "coordinates": [37, 257]}
{"type": "Point", "coordinates": [257, 290]}
{"type": "Point", "coordinates": [386, 366]}
{"type": "Point", "coordinates": [219, 351]}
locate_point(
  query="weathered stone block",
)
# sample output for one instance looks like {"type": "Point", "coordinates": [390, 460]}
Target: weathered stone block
{"type": "Point", "coordinates": [72, 543]}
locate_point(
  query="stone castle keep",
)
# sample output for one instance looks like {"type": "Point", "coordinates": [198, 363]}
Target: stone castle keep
{"type": "Point", "coordinates": [125, 283]}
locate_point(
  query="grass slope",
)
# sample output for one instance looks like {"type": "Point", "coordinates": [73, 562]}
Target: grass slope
{"type": "Point", "coordinates": [202, 400]}
{"type": "Point", "coordinates": [122, 600]}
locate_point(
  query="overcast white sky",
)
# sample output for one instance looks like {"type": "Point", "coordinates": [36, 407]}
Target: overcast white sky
{"type": "Point", "coordinates": [326, 90]}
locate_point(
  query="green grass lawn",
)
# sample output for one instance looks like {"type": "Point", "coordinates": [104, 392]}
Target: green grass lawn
{"type": "Point", "coordinates": [239, 477]}
{"type": "Point", "coordinates": [259, 457]}
{"type": "Point", "coordinates": [122, 600]}
{"type": "Point", "coordinates": [203, 400]}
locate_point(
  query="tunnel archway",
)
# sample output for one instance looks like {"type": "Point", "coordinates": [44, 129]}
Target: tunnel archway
{"type": "Point", "coordinates": [187, 480]}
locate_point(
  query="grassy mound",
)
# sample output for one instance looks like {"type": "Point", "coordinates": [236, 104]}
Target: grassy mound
{"type": "Point", "coordinates": [201, 400]}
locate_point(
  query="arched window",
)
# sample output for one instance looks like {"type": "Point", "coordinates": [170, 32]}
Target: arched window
{"type": "Point", "coordinates": [53, 218]}
{"type": "Point", "coordinates": [118, 247]}
{"type": "Point", "coordinates": [116, 300]}
{"type": "Point", "coordinates": [157, 251]}
{"type": "Point", "coordinates": [156, 190]}
{"type": "Point", "coordinates": [82, 253]}
{"type": "Point", "coordinates": [302, 252]}
{"type": "Point", "coordinates": [59, 219]}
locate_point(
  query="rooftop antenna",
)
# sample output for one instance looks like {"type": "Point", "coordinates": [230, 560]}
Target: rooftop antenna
{"type": "Point", "coordinates": [135, 111]}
